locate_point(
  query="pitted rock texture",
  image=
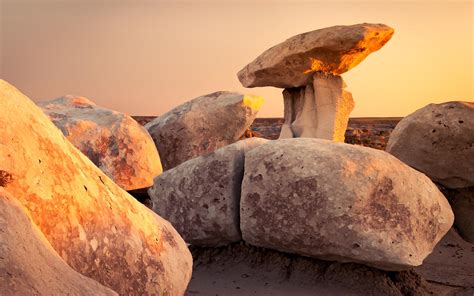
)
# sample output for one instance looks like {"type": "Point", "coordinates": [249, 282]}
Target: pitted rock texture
{"type": "Point", "coordinates": [340, 202]}
{"type": "Point", "coordinates": [202, 125]}
{"type": "Point", "coordinates": [114, 142]}
{"type": "Point", "coordinates": [28, 263]}
{"type": "Point", "coordinates": [201, 197]}
{"type": "Point", "coordinates": [438, 140]}
{"type": "Point", "coordinates": [94, 225]}
{"type": "Point", "coordinates": [333, 50]}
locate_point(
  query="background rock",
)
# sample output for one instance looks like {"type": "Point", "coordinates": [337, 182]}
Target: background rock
{"type": "Point", "coordinates": [113, 141]}
{"type": "Point", "coordinates": [340, 202]}
{"type": "Point", "coordinates": [95, 226]}
{"type": "Point", "coordinates": [438, 140]}
{"type": "Point", "coordinates": [202, 125]}
{"type": "Point", "coordinates": [28, 263]}
{"type": "Point", "coordinates": [201, 197]}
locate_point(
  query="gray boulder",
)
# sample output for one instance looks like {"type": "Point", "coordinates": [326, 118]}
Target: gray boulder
{"type": "Point", "coordinates": [438, 140]}
{"type": "Point", "coordinates": [201, 196]}
{"type": "Point", "coordinates": [340, 202]}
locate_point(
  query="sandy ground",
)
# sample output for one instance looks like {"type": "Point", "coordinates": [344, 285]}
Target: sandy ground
{"type": "Point", "coordinates": [245, 270]}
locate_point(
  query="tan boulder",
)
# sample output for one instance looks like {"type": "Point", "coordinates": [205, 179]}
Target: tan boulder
{"type": "Point", "coordinates": [28, 263]}
{"type": "Point", "coordinates": [340, 202]}
{"type": "Point", "coordinates": [115, 142]}
{"type": "Point", "coordinates": [438, 140]}
{"type": "Point", "coordinates": [202, 125]}
{"type": "Point", "coordinates": [94, 225]}
{"type": "Point", "coordinates": [201, 197]}
{"type": "Point", "coordinates": [332, 50]}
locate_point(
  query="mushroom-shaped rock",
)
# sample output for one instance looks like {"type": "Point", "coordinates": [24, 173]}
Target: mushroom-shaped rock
{"type": "Point", "coordinates": [201, 197]}
{"type": "Point", "coordinates": [28, 263]}
{"type": "Point", "coordinates": [438, 140]}
{"type": "Point", "coordinates": [202, 125]}
{"type": "Point", "coordinates": [340, 202]}
{"type": "Point", "coordinates": [308, 67]}
{"type": "Point", "coordinates": [93, 224]}
{"type": "Point", "coordinates": [114, 141]}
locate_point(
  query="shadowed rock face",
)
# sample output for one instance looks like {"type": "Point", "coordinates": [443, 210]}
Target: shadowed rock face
{"type": "Point", "coordinates": [438, 140]}
{"type": "Point", "coordinates": [28, 263]}
{"type": "Point", "coordinates": [95, 226]}
{"type": "Point", "coordinates": [202, 125]}
{"type": "Point", "coordinates": [340, 202]}
{"type": "Point", "coordinates": [332, 50]}
{"type": "Point", "coordinates": [115, 142]}
{"type": "Point", "coordinates": [201, 197]}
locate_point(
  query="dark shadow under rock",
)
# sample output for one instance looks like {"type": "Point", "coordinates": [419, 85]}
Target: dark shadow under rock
{"type": "Point", "coordinates": [241, 269]}
{"type": "Point", "coordinates": [142, 196]}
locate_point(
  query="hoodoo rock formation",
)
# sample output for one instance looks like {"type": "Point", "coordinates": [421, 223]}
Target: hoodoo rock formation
{"type": "Point", "coordinates": [94, 225]}
{"type": "Point", "coordinates": [113, 141]}
{"type": "Point", "coordinates": [308, 67]}
{"type": "Point", "coordinates": [202, 125]}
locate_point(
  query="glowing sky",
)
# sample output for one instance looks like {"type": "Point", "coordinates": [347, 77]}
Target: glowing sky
{"type": "Point", "coordinates": [145, 57]}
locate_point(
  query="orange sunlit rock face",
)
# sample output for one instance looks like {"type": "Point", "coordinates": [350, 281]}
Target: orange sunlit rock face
{"type": "Point", "coordinates": [95, 226]}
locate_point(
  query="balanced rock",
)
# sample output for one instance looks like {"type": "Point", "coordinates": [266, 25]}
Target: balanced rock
{"type": "Point", "coordinates": [202, 125]}
{"type": "Point", "coordinates": [28, 263]}
{"type": "Point", "coordinates": [308, 67]}
{"type": "Point", "coordinates": [340, 202]}
{"type": "Point", "coordinates": [201, 197]}
{"type": "Point", "coordinates": [114, 142]}
{"type": "Point", "coordinates": [438, 140]}
{"type": "Point", "coordinates": [95, 226]}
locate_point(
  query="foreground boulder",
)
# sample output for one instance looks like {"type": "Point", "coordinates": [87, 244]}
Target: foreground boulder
{"type": "Point", "coordinates": [340, 202]}
{"type": "Point", "coordinates": [114, 142]}
{"type": "Point", "coordinates": [438, 140]}
{"type": "Point", "coordinates": [201, 197]}
{"type": "Point", "coordinates": [308, 66]}
{"type": "Point", "coordinates": [28, 263]}
{"type": "Point", "coordinates": [202, 125]}
{"type": "Point", "coordinates": [94, 225]}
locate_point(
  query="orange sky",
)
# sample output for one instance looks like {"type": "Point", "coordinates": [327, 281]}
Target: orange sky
{"type": "Point", "coordinates": [145, 57]}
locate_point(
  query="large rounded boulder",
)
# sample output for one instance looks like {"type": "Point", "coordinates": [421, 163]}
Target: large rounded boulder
{"type": "Point", "coordinates": [28, 263]}
{"type": "Point", "coordinates": [94, 225]}
{"type": "Point", "coordinates": [202, 125]}
{"type": "Point", "coordinates": [438, 140]}
{"type": "Point", "coordinates": [340, 202]}
{"type": "Point", "coordinates": [201, 197]}
{"type": "Point", "coordinates": [113, 141]}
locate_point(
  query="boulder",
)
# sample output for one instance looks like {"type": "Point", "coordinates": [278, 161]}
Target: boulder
{"type": "Point", "coordinates": [332, 50]}
{"type": "Point", "coordinates": [114, 141]}
{"type": "Point", "coordinates": [308, 67]}
{"type": "Point", "coordinates": [438, 140]}
{"type": "Point", "coordinates": [340, 202]}
{"type": "Point", "coordinates": [201, 197]}
{"type": "Point", "coordinates": [95, 226]}
{"type": "Point", "coordinates": [28, 263]}
{"type": "Point", "coordinates": [463, 206]}
{"type": "Point", "coordinates": [202, 125]}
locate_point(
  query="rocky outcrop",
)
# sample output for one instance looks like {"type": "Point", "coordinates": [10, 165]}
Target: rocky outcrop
{"type": "Point", "coordinates": [438, 140]}
{"type": "Point", "coordinates": [95, 226]}
{"type": "Point", "coordinates": [28, 263]}
{"type": "Point", "coordinates": [202, 125]}
{"type": "Point", "coordinates": [113, 141]}
{"type": "Point", "coordinates": [340, 202]}
{"type": "Point", "coordinates": [201, 197]}
{"type": "Point", "coordinates": [308, 67]}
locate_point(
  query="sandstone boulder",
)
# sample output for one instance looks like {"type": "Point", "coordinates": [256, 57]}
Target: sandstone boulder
{"type": "Point", "coordinates": [438, 140]}
{"type": "Point", "coordinates": [94, 225]}
{"type": "Point", "coordinates": [201, 197]}
{"type": "Point", "coordinates": [202, 125]}
{"type": "Point", "coordinates": [28, 263]}
{"type": "Point", "coordinates": [340, 202]}
{"type": "Point", "coordinates": [114, 142]}
{"type": "Point", "coordinates": [333, 50]}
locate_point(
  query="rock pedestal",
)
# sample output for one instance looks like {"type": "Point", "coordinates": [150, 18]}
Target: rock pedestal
{"type": "Point", "coordinates": [318, 110]}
